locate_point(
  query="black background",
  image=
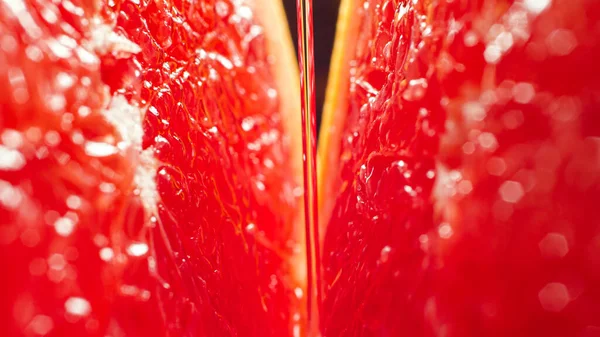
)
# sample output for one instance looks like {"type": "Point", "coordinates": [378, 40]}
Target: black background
{"type": "Point", "coordinates": [325, 17]}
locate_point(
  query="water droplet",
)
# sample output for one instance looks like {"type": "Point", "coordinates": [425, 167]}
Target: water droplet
{"type": "Point", "coordinates": [10, 197]}
{"type": "Point", "coordinates": [464, 187]}
{"type": "Point", "coordinates": [250, 228]}
{"type": "Point", "coordinates": [470, 39]}
{"type": "Point", "coordinates": [56, 103]}
{"type": "Point", "coordinates": [455, 175]}
{"type": "Point", "coordinates": [296, 330]}
{"type": "Point", "coordinates": [106, 254]}
{"type": "Point", "coordinates": [57, 262]}
{"type": "Point", "coordinates": [78, 306]}
{"type": "Point", "coordinates": [554, 297]}
{"type": "Point", "coordinates": [244, 12]}
{"type": "Point", "coordinates": [554, 245]}
{"type": "Point", "coordinates": [268, 163]}
{"type": "Point", "coordinates": [512, 119]}
{"type": "Point", "coordinates": [416, 89]}
{"type": "Point", "coordinates": [561, 42]}
{"type": "Point", "coordinates": [10, 159]}
{"type": "Point", "coordinates": [298, 292]}
{"type": "Point", "coordinates": [468, 148]}
{"type": "Point", "coordinates": [100, 240]}
{"type": "Point", "coordinates": [248, 123]}
{"type": "Point", "coordinates": [84, 111]}
{"type": "Point", "coordinates": [129, 290]}
{"type": "Point", "coordinates": [474, 111]}
{"type": "Point", "coordinates": [222, 9]}
{"type": "Point", "coordinates": [12, 139]}
{"type": "Point", "coordinates": [8, 43]}
{"type": "Point", "coordinates": [384, 256]}
{"type": "Point", "coordinates": [511, 191]}
{"type": "Point", "coordinates": [408, 189]}
{"type": "Point", "coordinates": [52, 138]}
{"type": "Point", "coordinates": [64, 80]}
{"type": "Point", "coordinates": [41, 325]}
{"type": "Point", "coordinates": [107, 187]}
{"type": "Point", "coordinates": [505, 41]}
{"type": "Point", "coordinates": [488, 141]}
{"type": "Point", "coordinates": [523, 92]}
{"type": "Point", "coordinates": [536, 6]}
{"type": "Point", "coordinates": [98, 149]}
{"type": "Point", "coordinates": [77, 137]}
{"type": "Point", "coordinates": [445, 231]}
{"type": "Point", "coordinates": [64, 226]}
{"type": "Point", "coordinates": [430, 174]}
{"type": "Point", "coordinates": [496, 166]}
{"type": "Point", "coordinates": [137, 249]}
{"type": "Point", "coordinates": [73, 202]}
{"type": "Point", "coordinates": [492, 54]}
{"type": "Point", "coordinates": [565, 108]}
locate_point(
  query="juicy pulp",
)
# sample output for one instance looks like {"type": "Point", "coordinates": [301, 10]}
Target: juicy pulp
{"type": "Point", "coordinates": [462, 178]}
{"type": "Point", "coordinates": [146, 184]}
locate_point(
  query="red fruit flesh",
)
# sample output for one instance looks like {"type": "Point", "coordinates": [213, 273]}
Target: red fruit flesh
{"type": "Point", "coordinates": [469, 171]}
{"type": "Point", "coordinates": [145, 185]}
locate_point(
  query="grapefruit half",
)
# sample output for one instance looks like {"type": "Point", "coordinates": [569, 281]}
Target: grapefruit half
{"type": "Point", "coordinates": [459, 169]}
{"type": "Point", "coordinates": [149, 166]}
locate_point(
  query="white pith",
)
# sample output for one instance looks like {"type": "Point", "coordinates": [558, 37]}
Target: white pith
{"type": "Point", "coordinates": [127, 118]}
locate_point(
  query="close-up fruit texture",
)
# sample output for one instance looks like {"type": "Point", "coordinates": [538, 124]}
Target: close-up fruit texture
{"type": "Point", "coordinates": [158, 175]}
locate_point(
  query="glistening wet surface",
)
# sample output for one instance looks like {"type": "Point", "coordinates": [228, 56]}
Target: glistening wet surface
{"type": "Point", "coordinates": [145, 185]}
{"type": "Point", "coordinates": [469, 172]}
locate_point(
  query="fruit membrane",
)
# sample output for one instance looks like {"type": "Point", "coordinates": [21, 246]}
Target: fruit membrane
{"type": "Point", "coordinates": [461, 184]}
{"type": "Point", "coordinates": [146, 184]}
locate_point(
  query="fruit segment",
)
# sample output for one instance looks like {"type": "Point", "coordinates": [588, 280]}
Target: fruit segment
{"type": "Point", "coordinates": [462, 154]}
{"type": "Point", "coordinates": [148, 171]}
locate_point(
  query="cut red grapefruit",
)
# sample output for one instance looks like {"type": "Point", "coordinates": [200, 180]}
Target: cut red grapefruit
{"type": "Point", "coordinates": [459, 170]}
{"type": "Point", "coordinates": [149, 169]}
